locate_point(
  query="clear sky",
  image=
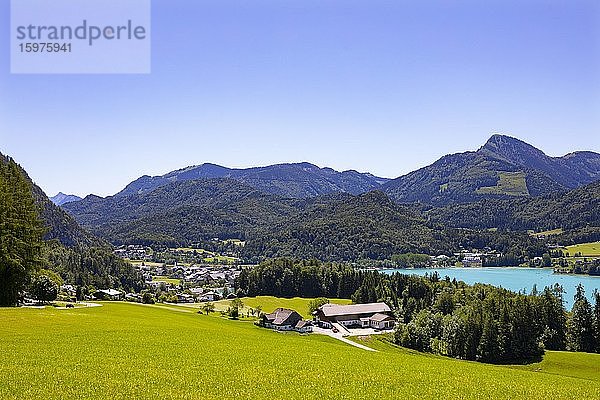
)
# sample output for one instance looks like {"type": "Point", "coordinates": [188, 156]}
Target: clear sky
{"type": "Point", "coordinates": [378, 86]}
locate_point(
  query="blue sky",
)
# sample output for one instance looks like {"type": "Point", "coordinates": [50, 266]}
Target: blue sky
{"type": "Point", "coordinates": [379, 86]}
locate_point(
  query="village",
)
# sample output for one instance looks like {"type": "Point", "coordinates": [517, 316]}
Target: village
{"type": "Point", "coordinates": [194, 274]}
{"type": "Point", "coordinates": [181, 275]}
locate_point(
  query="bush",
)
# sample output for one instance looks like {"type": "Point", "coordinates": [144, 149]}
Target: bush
{"type": "Point", "coordinates": [147, 298]}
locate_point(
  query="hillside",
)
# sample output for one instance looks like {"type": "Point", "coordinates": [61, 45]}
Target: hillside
{"type": "Point", "coordinates": [344, 227]}
{"type": "Point", "coordinates": [62, 198]}
{"type": "Point", "coordinates": [77, 255]}
{"type": "Point", "coordinates": [299, 180]}
{"type": "Point", "coordinates": [182, 212]}
{"type": "Point", "coordinates": [503, 168]}
{"type": "Point", "coordinates": [59, 225]}
{"type": "Point", "coordinates": [171, 352]}
{"type": "Point", "coordinates": [576, 209]}
{"type": "Point", "coordinates": [338, 226]}
{"type": "Point", "coordinates": [333, 227]}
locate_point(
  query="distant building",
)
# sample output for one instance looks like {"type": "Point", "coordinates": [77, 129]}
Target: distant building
{"type": "Point", "coordinates": [108, 294]}
{"type": "Point", "coordinates": [472, 261]}
{"type": "Point", "coordinates": [371, 315]}
{"type": "Point", "coordinates": [304, 326]}
{"type": "Point", "coordinates": [185, 298]}
{"type": "Point", "coordinates": [134, 297]}
{"type": "Point", "coordinates": [380, 321]}
{"type": "Point", "coordinates": [210, 296]}
{"type": "Point", "coordinates": [283, 319]}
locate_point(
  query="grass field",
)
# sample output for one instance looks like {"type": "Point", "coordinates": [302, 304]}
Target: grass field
{"type": "Point", "coordinates": [166, 279]}
{"type": "Point", "coordinates": [221, 259]}
{"type": "Point", "coordinates": [209, 256]}
{"type": "Point", "coordinates": [509, 183]}
{"type": "Point", "coordinates": [578, 365]}
{"type": "Point", "coordinates": [268, 304]}
{"type": "Point", "coordinates": [124, 351]}
{"type": "Point", "coordinates": [586, 249]}
{"type": "Point", "coordinates": [552, 232]}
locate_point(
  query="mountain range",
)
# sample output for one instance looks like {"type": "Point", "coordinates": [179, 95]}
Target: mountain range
{"type": "Point", "coordinates": [575, 209]}
{"type": "Point", "coordinates": [301, 209]}
{"type": "Point", "coordinates": [300, 180]}
{"type": "Point", "coordinates": [503, 168]}
{"type": "Point", "coordinates": [59, 225]}
{"type": "Point", "coordinates": [77, 255]}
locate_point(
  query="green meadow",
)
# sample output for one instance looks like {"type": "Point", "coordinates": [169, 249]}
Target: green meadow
{"type": "Point", "coordinates": [132, 351]}
{"type": "Point", "coordinates": [268, 304]}
{"type": "Point", "coordinates": [509, 183]}
{"type": "Point", "coordinates": [586, 249]}
{"type": "Point", "coordinates": [551, 232]}
{"type": "Point", "coordinates": [166, 279]}
{"type": "Point", "coordinates": [209, 255]}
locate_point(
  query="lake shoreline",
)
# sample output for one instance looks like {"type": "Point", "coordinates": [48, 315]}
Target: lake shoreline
{"type": "Point", "coordinates": [517, 279]}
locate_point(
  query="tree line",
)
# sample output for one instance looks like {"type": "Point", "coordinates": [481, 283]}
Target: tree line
{"type": "Point", "coordinates": [20, 233]}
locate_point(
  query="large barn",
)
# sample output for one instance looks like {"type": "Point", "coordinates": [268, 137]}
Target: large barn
{"type": "Point", "coordinates": [371, 315]}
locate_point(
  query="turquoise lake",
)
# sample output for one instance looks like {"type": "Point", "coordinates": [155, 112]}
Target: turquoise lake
{"type": "Point", "coordinates": [515, 279]}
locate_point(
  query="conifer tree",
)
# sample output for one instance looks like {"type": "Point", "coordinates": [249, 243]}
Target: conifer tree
{"type": "Point", "coordinates": [581, 324]}
{"type": "Point", "coordinates": [20, 232]}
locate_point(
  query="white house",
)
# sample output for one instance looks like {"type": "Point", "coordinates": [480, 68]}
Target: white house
{"type": "Point", "coordinates": [371, 315]}
{"type": "Point", "coordinates": [108, 294]}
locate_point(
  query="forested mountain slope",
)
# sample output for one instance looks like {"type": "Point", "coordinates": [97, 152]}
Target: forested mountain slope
{"type": "Point", "coordinates": [575, 209]}
{"type": "Point", "coordinates": [76, 254]}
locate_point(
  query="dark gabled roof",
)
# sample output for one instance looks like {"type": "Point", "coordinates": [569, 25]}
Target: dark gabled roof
{"type": "Point", "coordinates": [283, 316]}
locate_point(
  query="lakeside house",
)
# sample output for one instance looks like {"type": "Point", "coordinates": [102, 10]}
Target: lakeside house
{"type": "Point", "coordinates": [284, 319]}
{"type": "Point", "coordinates": [472, 260]}
{"type": "Point", "coordinates": [370, 315]}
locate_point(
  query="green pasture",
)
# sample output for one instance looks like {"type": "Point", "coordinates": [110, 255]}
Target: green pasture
{"type": "Point", "coordinates": [552, 232]}
{"type": "Point", "coordinates": [586, 249]}
{"type": "Point", "coordinates": [509, 183]}
{"type": "Point", "coordinates": [133, 351]}
{"type": "Point", "coordinates": [268, 304]}
{"type": "Point", "coordinates": [166, 279]}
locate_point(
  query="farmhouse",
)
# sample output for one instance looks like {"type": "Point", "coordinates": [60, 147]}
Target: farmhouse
{"type": "Point", "coordinates": [284, 319]}
{"type": "Point", "coordinates": [185, 298]}
{"type": "Point", "coordinates": [371, 315]}
{"type": "Point", "coordinates": [108, 294]}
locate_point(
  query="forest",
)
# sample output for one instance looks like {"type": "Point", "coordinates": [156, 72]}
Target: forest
{"type": "Point", "coordinates": [38, 237]}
